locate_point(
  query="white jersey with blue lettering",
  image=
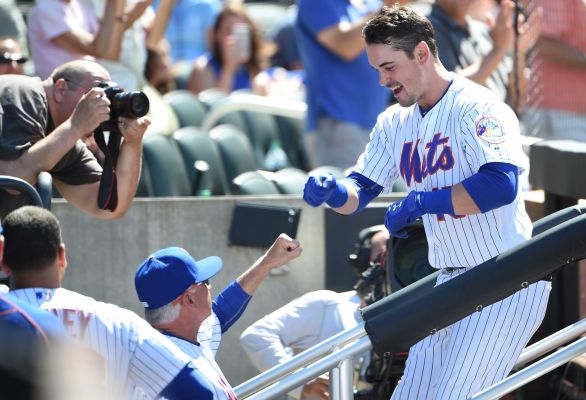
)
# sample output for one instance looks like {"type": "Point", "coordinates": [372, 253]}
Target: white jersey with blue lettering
{"type": "Point", "coordinates": [432, 150]}
{"type": "Point", "coordinates": [135, 354]}
{"type": "Point", "coordinates": [202, 358]}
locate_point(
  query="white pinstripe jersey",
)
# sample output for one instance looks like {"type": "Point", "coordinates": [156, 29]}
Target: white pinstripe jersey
{"type": "Point", "coordinates": [209, 334]}
{"type": "Point", "coordinates": [135, 354]}
{"type": "Point", "coordinates": [202, 357]}
{"type": "Point", "coordinates": [467, 128]}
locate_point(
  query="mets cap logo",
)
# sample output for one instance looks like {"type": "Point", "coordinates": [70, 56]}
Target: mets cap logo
{"type": "Point", "coordinates": [490, 130]}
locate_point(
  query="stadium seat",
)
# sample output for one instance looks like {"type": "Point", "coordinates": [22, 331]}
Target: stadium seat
{"type": "Point", "coordinates": [166, 166]}
{"type": "Point", "coordinates": [189, 110]}
{"type": "Point", "coordinates": [262, 130]}
{"type": "Point", "coordinates": [210, 97]}
{"type": "Point", "coordinates": [290, 133]}
{"type": "Point", "coordinates": [145, 183]}
{"type": "Point", "coordinates": [253, 183]}
{"type": "Point", "coordinates": [196, 145]}
{"type": "Point", "coordinates": [235, 150]}
{"type": "Point", "coordinates": [290, 180]}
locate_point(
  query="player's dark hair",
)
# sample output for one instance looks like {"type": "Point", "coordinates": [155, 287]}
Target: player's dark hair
{"type": "Point", "coordinates": [32, 239]}
{"type": "Point", "coordinates": [401, 28]}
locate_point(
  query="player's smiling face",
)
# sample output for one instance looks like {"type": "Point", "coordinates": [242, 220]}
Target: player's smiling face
{"type": "Point", "coordinates": [399, 73]}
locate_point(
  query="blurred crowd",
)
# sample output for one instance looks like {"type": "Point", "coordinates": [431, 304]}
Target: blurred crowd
{"type": "Point", "coordinates": [523, 50]}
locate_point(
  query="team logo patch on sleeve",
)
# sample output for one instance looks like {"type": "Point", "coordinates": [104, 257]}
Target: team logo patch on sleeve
{"type": "Point", "coordinates": [490, 130]}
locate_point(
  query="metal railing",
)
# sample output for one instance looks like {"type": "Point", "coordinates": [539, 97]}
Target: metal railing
{"type": "Point", "coordinates": [304, 367]}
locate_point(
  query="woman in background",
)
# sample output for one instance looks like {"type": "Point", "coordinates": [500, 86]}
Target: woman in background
{"type": "Point", "coordinates": [235, 56]}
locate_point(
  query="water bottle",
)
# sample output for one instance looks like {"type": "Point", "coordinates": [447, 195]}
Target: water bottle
{"type": "Point", "coordinates": [276, 158]}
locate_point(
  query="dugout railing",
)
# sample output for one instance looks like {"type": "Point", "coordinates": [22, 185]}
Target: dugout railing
{"type": "Point", "coordinates": [556, 242]}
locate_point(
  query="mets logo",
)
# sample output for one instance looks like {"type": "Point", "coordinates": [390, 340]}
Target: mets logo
{"type": "Point", "coordinates": [490, 130]}
{"type": "Point", "coordinates": [437, 156]}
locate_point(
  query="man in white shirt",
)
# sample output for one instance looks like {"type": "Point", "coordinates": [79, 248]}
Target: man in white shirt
{"type": "Point", "coordinates": [307, 321]}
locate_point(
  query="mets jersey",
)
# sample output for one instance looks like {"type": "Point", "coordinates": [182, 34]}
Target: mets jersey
{"type": "Point", "coordinates": [438, 148]}
{"type": "Point", "coordinates": [134, 353]}
{"type": "Point", "coordinates": [202, 358]}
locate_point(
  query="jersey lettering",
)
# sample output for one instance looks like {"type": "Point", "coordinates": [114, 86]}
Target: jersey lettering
{"type": "Point", "coordinates": [75, 321]}
{"type": "Point", "coordinates": [412, 168]}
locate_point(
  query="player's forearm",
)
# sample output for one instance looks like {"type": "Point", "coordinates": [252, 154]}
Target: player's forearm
{"type": "Point", "coordinates": [351, 204]}
{"type": "Point", "coordinates": [462, 202]}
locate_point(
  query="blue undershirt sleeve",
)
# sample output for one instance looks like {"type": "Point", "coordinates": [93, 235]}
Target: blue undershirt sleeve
{"type": "Point", "coordinates": [494, 185]}
{"type": "Point", "coordinates": [230, 304]}
{"type": "Point", "coordinates": [188, 384]}
{"type": "Point", "coordinates": [366, 188]}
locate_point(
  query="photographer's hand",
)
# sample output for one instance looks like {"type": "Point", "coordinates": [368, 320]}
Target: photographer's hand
{"type": "Point", "coordinates": [133, 129]}
{"type": "Point", "coordinates": [91, 110]}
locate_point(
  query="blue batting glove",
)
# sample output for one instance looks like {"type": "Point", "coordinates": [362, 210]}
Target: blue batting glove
{"type": "Point", "coordinates": [402, 213]}
{"type": "Point", "coordinates": [318, 189]}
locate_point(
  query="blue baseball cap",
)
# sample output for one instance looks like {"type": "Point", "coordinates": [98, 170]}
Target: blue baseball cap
{"type": "Point", "coordinates": [167, 273]}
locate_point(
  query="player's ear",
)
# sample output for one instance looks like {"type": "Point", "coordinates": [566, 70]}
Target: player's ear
{"type": "Point", "coordinates": [422, 52]}
{"type": "Point", "coordinates": [61, 260]}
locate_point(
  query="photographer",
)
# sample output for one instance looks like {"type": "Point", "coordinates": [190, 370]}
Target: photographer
{"type": "Point", "coordinates": [42, 127]}
{"type": "Point", "coordinates": [309, 320]}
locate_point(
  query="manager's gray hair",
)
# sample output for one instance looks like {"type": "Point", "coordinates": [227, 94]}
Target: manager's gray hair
{"type": "Point", "coordinates": [162, 315]}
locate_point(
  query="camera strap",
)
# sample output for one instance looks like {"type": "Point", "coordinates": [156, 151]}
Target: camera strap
{"type": "Point", "coordinates": [108, 192]}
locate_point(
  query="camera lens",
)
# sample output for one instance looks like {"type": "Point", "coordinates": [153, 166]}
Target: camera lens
{"type": "Point", "coordinates": [130, 104]}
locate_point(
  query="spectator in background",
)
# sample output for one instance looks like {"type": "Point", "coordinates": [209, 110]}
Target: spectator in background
{"type": "Point", "coordinates": [158, 70]}
{"type": "Point", "coordinates": [188, 28]}
{"type": "Point", "coordinates": [143, 29]}
{"type": "Point", "coordinates": [12, 58]}
{"type": "Point", "coordinates": [12, 24]}
{"type": "Point", "coordinates": [286, 54]}
{"type": "Point", "coordinates": [42, 124]}
{"type": "Point", "coordinates": [233, 60]}
{"type": "Point", "coordinates": [480, 50]}
{"type": "Point", "coordinates": [343, 92]}
{"type": "Point", "coordinates": [62, 31]}
{"type": "Point", "coordinates": [285, 76]}
{"type": "Point", "coordinates": [558, 73]}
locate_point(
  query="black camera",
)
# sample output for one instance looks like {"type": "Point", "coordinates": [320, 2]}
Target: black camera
{"type": "Point", "coordinates": [134, 104]}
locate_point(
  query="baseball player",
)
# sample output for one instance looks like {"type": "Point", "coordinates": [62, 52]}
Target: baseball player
{"type": "Point", "coordinates": [175, 291]}
{"type": "Point", "coordinates": [135, 356]}
{"type": "Point", "coordinates": [457, 148]}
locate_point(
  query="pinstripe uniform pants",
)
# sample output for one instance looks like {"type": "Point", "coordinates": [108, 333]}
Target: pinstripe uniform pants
{"type": "Point", "coordinates": [475, 352]}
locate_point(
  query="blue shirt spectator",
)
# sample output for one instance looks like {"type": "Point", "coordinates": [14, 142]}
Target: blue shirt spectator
{"type": "Point", "coordinates": [341, 85]}
{"type": "Point", "coordinates": [188, 27]}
